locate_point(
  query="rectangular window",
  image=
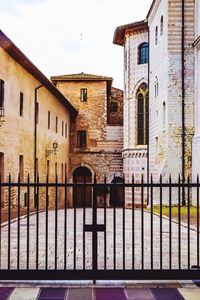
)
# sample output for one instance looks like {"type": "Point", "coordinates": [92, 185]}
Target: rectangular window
{"type": "Point", "coordinates": [37, 113]}
{"type": "Point", "coordinates": [37, 167]}
{"type": "Point", "coordinates": [66, 130]}
{"type": "Point", "coordinates": [21, 104]}
{"type": "Point", "coordinates": [1, 93]}
{"type": "Point", "coordinates": [21, 167]}
{"type": "Point", "coordinates": [56, 124]}
{"type": "Point", "coordinates": [81, 139]}
{"type": "Point", "coordinates": [113, 107]}
{"type": "Point", "coordinates": [62, 128]}
{"type": "Point", "coordinates": [56, 169]}
{"type": "Point", "coordinates": [83, 95]}
{"type": "Point", "coordinates": [48, 169]}
{"type": "Point", "coordinates": [62, 172]}
{"type": "Point", "coordinates": [49, 120]}
{"type": "Point", "coordinates": [65, 170]}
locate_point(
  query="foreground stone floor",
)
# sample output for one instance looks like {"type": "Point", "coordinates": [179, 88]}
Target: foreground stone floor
{"type": "Point", "coordinates": [127, 235]}
{"type": "Point", "coordinates": [119, 293]}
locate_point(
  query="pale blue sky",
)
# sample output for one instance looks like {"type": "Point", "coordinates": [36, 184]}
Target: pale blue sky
{"type": "Point", "coordinates": [62, 36]}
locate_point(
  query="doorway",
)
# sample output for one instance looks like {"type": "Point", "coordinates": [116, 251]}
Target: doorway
{"type": "Point", "coordinates": [82, 195]}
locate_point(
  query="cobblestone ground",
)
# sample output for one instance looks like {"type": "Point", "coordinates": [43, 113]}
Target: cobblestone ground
{"type": "Point", "coordinates": [88, 241]}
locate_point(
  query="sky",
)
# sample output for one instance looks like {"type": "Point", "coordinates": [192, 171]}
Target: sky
{"type": "Point", "coordinates": [67, 37]}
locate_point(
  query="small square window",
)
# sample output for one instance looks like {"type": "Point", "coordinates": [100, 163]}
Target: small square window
{"type": "Point", "coordinates": [83, 95]}
{"type": "Point", "coordinates": [113, 107]}
{"type": "Point", "coordinates": [81, 139]}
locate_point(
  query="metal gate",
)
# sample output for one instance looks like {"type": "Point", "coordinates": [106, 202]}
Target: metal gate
{"type": "Point", "coordinates": [43, 237]}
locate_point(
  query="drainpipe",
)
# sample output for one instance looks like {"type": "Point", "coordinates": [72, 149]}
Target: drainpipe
{"type": "Point", "coordinates": [183, 97]}
{"type": "Point", "coordinates": [35, 132]}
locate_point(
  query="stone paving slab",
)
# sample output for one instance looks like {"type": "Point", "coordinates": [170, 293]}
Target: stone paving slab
{"type": "Point", "coordinates": [111, 293]}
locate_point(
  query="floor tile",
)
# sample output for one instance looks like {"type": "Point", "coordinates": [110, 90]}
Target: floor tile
{"type": "Point", "coordinates": [190, 294]}
{"type": "Point", "coordinates": [5, 292]}
{"type": "Point", "coordinates": [52, 293]}
{"type": "Point", "coordinates": [139, 294]}
{"type": "Point", "coordinates": [110, 294]}
{"type": "Point", "coordinates": [24, 294]}
{"type": "Point", "coordinates": [80, 294]}
{"type": "Point", "coordinates": [166, 294]}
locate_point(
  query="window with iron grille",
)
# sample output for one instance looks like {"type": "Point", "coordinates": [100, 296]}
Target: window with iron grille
{"type": "Point", "coordinates": [143, 53]}
{"type": "Point", "coordinates": [81, 138]}
{"type": "Point", "coordinates": [83, 95]}
{"type": "Point", "coordinates": [113, 107]}
{"type": "Point", "coordinates": [21, 104]}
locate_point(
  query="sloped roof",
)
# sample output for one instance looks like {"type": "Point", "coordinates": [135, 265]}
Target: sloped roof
{"type": "Point", "coordinates": [17, 55]}
{"type": "Point", "coordinates": [119, 34]}
{"type": "Point", "coordinates": [81, 76]}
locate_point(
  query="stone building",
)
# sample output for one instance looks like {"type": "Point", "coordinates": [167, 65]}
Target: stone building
{"type": "Point", "coordinates": [35, 121]}
{"type": "Point", "coordinates": [96, 134]}
{"type": "Point", "coordinates": [134, 38]}
{"type": "Point", "coordinates": [169, 35]}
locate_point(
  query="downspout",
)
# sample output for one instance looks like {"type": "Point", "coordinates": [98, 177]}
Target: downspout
{"type": "Point", "coordinates": [183, 97]}
{"type": "Point", "coordinates": [35, 133]}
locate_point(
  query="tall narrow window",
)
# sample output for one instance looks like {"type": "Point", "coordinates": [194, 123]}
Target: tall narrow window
{"type": "Point", "coordinates": [113, 107]}
{"type": "Point", "coordinates": [2, 166]}
{"type": "Point", "coordinates": [156, 86]}
{"type": "Point", "coordinates": [21, 104]}
{"type": "Point", "coordinates": [161, 25]}
{"type": "Point", "coordinates": [21, 167]}
{"type": "Point", "coordinates": [48, 168]}
{"type": "Point", "coordinates": [143, 53]}
{"type": "Point", "coordinates": [156, 151]}
{"type": "Point", "coordinates": [81, 138]}
{"type": "Point", "coordinates": [164, 116]}
{"type": "Point", "coordinates": [65, 170]}
{"type": "Point", "coordinates": [83, 95]}
{"type": "Point", "coordinates": [142, 115]}
{"type": "Point", "coordinates": [156, 35]}
{"type": "Point", "coordinates": [62, 128]}
{"type": "Point", "coordinates": [125, 59]}
{"type": "Point", "coordinates": [66, 130]}
{"type": "Point", "coordinates": [37, 167]}
{"type": "Point", "coordinates": [1, 97]}
{"type": "Point", "coordinates": [56, 124]}
{"type": "Point", "coordinates": [49, 119]}
{"type": "Point", "coordinates": [37, 113]}
{"type": "Point", "coordinates": [62, 172]}
{"type": "Point", "coordinates": [56, 169]}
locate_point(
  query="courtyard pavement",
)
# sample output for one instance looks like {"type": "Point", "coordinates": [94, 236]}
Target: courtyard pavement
{"type": "Point", "coordinates": [127, 235]}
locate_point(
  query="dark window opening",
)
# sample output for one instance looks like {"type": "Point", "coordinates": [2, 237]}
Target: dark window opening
{"type": "Point", "coordinates": [56, 124]}
{"type": "Point", "coordinates": [143, 53]}
{"type": "Point", "coordinates": [1, 98]}
{"type": "Point", "coordinates": [113, 107]}
{"type": "Point", "coordinates": [49, 119]}
{"type": "Point", "coordinates": [21, 104]}
{"type": "Point", "coordinates": [81, 138]}
{"type": "Point", "coordinates": [37, 112]}
{"type": "Point", "coordinates": [66, 130]}
{"type": "Point", "coordinates": [156, 35]}
{"type": "Point", "coordinates": [83, 95]}
{"type": "Point", "coordinates": [161, 25]}
{"type": "Point", "coordinates": [62, 128]}
{"type": "Point", "coordinates": [21, 167]}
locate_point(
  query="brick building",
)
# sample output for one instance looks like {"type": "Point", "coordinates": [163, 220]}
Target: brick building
{"type": "Point", "coordinates": [35, 120]}
{"type": "Point", "coordinates": [170, 33]}
{"type": "Point", "coordinates": [97, 133]}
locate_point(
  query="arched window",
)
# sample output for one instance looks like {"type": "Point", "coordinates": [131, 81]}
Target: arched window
{"type": "Point", "coordinates": [156, 35]}
{"type": "Point", "coordinates": [143, 53]}
{"type": "Point", "coordinates": [161, 25]}
{"type": "Point", "coordinates": [142, 115]}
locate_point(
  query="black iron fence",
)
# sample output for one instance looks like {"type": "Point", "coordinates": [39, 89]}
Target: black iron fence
{"type": "Point", "coordinates": [111, 232]}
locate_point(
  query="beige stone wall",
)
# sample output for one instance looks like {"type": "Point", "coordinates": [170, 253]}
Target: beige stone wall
{"type": "Point", "coordinates": [17, 132]}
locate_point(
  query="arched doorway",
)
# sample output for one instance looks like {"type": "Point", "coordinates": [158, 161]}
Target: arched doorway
{"type": "Point", "coordinates": [117, 193]}
{"type": "Point", "coordinates": [82, 195]}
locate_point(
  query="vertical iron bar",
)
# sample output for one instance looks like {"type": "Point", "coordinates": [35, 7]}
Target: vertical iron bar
{"type": "Point", "coordinates": [84, 205]}
{"type": "Point", "coordinates": [179, 221]}
{"type": "Point", "coordinates": [37, 221]}
{"type": "Point", "coordinates": [105, 220]}
{"type": "Point", "coordinates": [161, 211]}
{"type": "Point", "coordinates": [142, 222]}
{"type": "Point", "coordinates": [9, 215]}
{"type": "Point", "coordinates": [188, 203]}
{"type": "Point", "coordinates": [133, 222]}
{"type": "Point", "coordinates": [198, 221]}
{"type": "Point", "coordinates": [75, 225]}
{"type": "Point", "coordinates": [94, 237]}
{"type": "Point", "coordinates": [114, 225]}
{"type": "Point", "coordinates": [124, 242]}
{"type": "Point", "coordinates": [28, 223]}
{"type": "Point", "coordinates": [47, 223]}
{"type": "Point", "coordinates": [170, 222]}
{"type": "Point", "coordinates": [151, 193]}
{"type": "Point", "coordinates": [18, 223]}
{"type": "Point", "coordinates": [56, 220]}
{"type": "Point", "coordinates": [65, 224]}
